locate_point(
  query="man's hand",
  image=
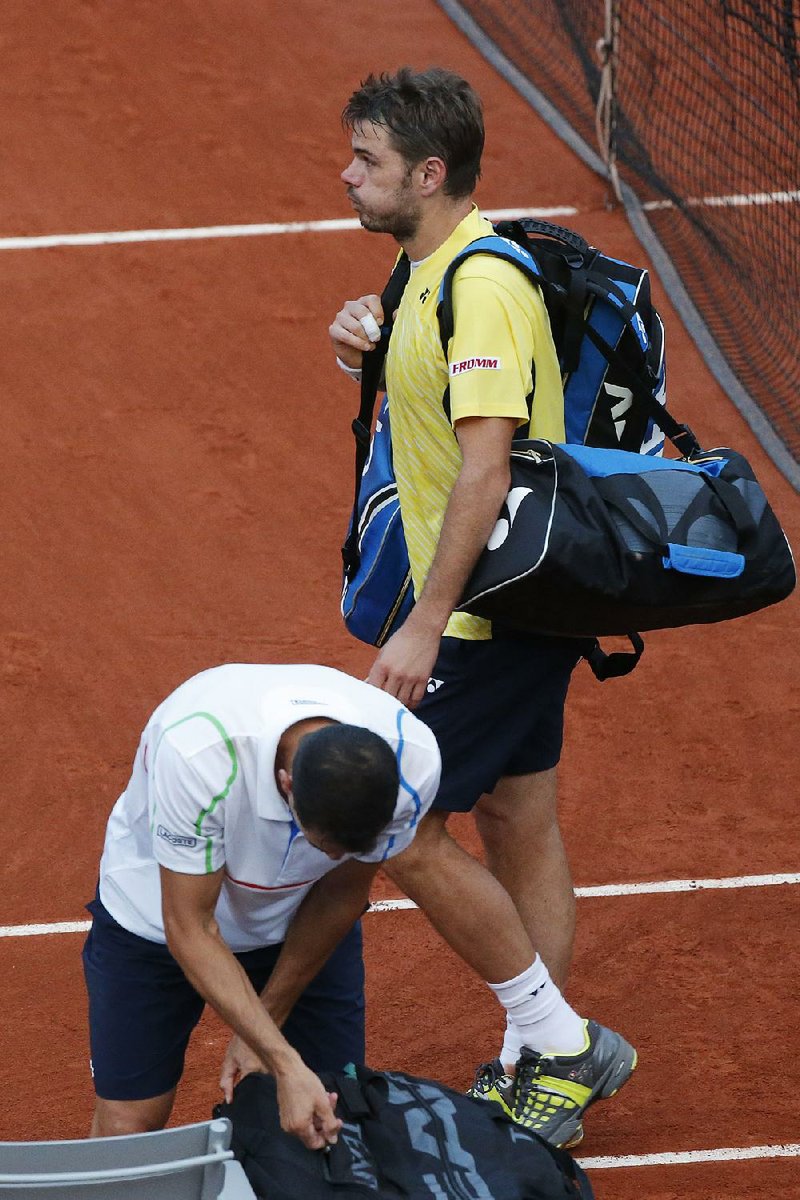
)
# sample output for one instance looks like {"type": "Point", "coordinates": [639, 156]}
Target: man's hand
{"type": "Point", "coordinates": [348, 335]}
{"type": "Point", "coordinates": [306, 1109]}
{"type": "Point", "coordinates": [239, 1061]}
{"type": "Point", "coordinates": [188, 903]}
{"type": "Point", "coordinates": [404, 665]}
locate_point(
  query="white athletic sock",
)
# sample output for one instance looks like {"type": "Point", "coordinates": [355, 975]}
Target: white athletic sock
{"type": "Point", "coordinates": [540, 1014]}
{"type": "Point", "coordinates": [512, 1044]}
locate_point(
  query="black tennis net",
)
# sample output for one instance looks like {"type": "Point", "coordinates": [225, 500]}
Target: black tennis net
{"type": "Point", "coordinates": [703, 121]}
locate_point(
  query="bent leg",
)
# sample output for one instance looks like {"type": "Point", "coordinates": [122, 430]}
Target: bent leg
{"type": "Point", "coordinates": [142, 1011]}
{"type": "Point", "coordinates": [115, 1117]}
{"type": "Point", "coordinates": [498, 716]}
{"type": "Point", "coordinates": [464, 902]}
{"type": "Point", "coordinates": [518, 824]}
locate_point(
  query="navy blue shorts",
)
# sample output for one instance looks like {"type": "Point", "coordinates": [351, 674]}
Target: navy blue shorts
{"type": "Point", "coordinates": [142, 1009]}
{"type": "Point", "coordinates": [497, 708]}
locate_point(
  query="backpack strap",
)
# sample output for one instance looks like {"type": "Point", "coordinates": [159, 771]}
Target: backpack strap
{"type": "Point", "coordinates": [583, 282]}
{"type": "Point", "coordinates": [499, 247]}
{"type": "Point", "coordinates": [371, 372]}
{"type": "Point", "coordinates": [681, 435]}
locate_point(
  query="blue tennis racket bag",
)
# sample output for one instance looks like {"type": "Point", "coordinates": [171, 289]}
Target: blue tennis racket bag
{"type": "Point", "coordinates": [377, 590]}
{"type": "Point", "coordinates": [594, 542]}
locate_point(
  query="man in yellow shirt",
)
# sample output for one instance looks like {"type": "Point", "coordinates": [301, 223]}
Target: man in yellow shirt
{"type": "Point", "coordinates": [494, 699]}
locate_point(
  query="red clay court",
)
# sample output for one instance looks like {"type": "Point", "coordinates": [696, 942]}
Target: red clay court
{"type": "Point", "coordinates": [177, 483]}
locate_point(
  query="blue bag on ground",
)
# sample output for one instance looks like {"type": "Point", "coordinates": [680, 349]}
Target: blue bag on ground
{"type": "Point", "coordinates": [594, 542]}
{"type": "Point", "coordinates": [404, 1138]}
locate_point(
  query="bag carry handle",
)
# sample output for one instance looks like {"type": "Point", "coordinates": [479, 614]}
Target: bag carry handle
{"type": "Point", "coordinates": [618, 662]}
{"type": "Point", "coordinates": [734, 504]}
{"type": "Point", "coordinates": [371, 370]}
{"type": "Point", "coordinates": [558, 233]}
{"type": "Point", "coordinates": [730, 499]}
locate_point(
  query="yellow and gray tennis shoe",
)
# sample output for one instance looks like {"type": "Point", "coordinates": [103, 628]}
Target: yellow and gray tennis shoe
{"type": "Point", "coordinates": [492, 1083]}
{"type": "Point", "coordinates": [550, 1092]}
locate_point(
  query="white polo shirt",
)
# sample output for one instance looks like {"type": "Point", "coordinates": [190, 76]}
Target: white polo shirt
{"type": "Point", "coordinates": [203, 795]}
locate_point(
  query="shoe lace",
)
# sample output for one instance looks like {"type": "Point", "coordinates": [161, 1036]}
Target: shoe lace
{"type": "Point", "coordinates": [485, 1077]}
{"type": "Point", "coordinates": [529, 1071]}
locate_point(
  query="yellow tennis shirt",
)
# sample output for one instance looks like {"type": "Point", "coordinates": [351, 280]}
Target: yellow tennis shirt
{"type": "Point", "coordinates": [500, 328]}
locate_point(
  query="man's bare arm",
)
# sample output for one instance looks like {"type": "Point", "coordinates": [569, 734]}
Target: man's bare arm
{"type": "Point", "coordinates": [193, 937]}
{"type": "Point", "coordinates": [330, 909]}
{"type": "Point", "coordinates": [404, 664]}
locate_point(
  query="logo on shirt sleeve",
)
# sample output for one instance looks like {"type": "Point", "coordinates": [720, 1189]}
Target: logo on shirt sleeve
{"type": "Point", "coordinates": [475, 364]}
{"type": "Point", "coordinates": [175, 839]}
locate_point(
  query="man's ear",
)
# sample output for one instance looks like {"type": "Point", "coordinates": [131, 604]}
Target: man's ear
{"type": "Point", "coordinates": [285, 782]}
{"type": "Point", "coordinates": [432, 174]}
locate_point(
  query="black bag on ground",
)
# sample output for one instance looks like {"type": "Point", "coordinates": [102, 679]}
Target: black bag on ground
{"type": "Point", "coordinates": [594, 542]}
{"type": "Point", "coordinates": [404, 1138]}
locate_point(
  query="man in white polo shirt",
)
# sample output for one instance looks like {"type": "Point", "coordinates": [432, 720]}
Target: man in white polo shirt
{"type": "Point", "coordinates": [238, 861]}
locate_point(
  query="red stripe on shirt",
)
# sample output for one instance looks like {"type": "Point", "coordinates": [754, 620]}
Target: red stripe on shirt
{"type": "Point", "coordinates": [259, 887]}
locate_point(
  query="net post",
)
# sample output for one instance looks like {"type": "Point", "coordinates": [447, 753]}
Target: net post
{"type": "Point", "coordinates": [605, 113]}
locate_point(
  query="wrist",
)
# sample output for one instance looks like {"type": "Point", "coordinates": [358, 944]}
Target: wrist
{"type": "Point", "coordinates": [428, 620]}
{"type": "Point", "coordinates": [283, 1061]}
{"type": "Point", "coordinates": [276, 1007]}
{"type": "Point", "coordinates": [353, 371]}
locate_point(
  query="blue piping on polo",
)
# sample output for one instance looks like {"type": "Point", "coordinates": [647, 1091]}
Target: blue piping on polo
{"type": "Point", "coordinates": [404, 784]}
{"type": "Point", "coordinates": [294, 830]}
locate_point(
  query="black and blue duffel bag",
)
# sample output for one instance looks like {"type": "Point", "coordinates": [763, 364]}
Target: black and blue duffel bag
{"type": "Point", "coordinates": [403, 1138]}
{"type": "Point", "coordinates": [594, 542]}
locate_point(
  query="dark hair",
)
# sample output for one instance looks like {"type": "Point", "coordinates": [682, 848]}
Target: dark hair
{"type": "Point", "coordinates": [427, 113]}
{"type": "Point", "coordinates": [344, 785]}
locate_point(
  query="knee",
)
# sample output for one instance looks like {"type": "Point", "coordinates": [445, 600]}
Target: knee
{"type": "Point", "coordinates": [430, 839]}
{"type": "Point", "coordinates": [497, 827]}
{"type": "Point", "coordinates": [522, 806]}
{"type": "Point", "coordinates": [116, 1118]}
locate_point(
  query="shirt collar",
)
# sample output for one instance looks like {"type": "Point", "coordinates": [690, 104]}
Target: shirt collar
{"type": "Point", "coordinates": [283, 708]}
{"type": "Point", "coordinates": [472, 226]}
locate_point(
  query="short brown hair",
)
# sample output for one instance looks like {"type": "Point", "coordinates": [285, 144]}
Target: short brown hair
{"type": "Point", "coordinates": [431, 112]}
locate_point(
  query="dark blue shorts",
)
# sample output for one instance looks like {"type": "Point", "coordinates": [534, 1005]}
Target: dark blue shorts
{"type": "Point", "coordinates": [142, 1009]}
{"type": "Point", "coordinates": [497, 708]}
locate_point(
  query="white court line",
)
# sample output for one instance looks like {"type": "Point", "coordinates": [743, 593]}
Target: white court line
{"type": "Point", "coordinates": [647, 888]}
{"type": "Point", "coordinates": [40, 930]}
{"type": "Point", "coordinates": [607, 889]}
{"type": "Point", "coordinates": [44, 241]}
{"type": "Point", "coordinates": [726, 1154]}
{"type": "Point", "coordinates": [740, 201]}
{"type": "Point", "coordinates": [231, 231]}
{"type": "Point", "coordinates": [687, 885]}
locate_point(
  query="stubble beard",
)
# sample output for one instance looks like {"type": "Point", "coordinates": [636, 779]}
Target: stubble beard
{"type": "Point", "coordinates": [402, 226]}
{"type": "Point", "coordinates": [401, 222]}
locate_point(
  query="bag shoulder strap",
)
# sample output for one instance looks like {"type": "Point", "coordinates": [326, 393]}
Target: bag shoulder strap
{"type": "Point", "coordinates": [371, 371]}
{"type": "Point", "coordinates": [583, 281]}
